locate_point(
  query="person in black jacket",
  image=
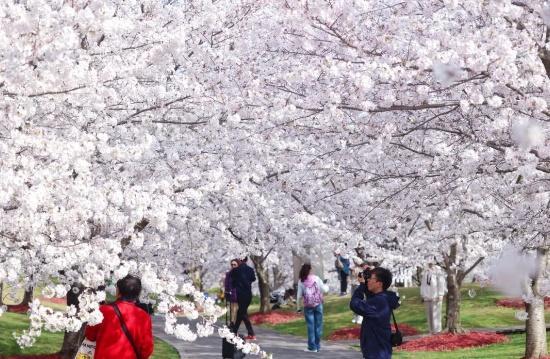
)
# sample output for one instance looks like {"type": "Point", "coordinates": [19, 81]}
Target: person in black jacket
{"type": "Point", "coordinates": [242, 278]}
{"type": "Point", "coordinates": [375, 304]}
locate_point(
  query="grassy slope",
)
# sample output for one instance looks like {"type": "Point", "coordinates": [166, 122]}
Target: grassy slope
{"type": "Point", "coordinates": [51, 342]}
{"type": "Point", "coordinates": [477, 312]}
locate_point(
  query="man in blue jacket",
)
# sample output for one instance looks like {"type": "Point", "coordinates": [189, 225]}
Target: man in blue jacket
{"type": "Point", "coordinates": [242, 278]}
{"type": "Point", "coordinates": [376, 311]}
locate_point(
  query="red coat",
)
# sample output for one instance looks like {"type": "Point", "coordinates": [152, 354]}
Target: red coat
{"type": "Point", "coordinates": [111, 342]}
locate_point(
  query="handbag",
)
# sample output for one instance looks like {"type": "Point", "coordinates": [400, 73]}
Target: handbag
{"type": "Point", "coordinates": [229, 350]}
{"type": "Point", "coordinates": [125, 330]}
{"type": "Point", "coordinates": [396, 337]}
{"type": "Point", "coordinates": [86, 350]}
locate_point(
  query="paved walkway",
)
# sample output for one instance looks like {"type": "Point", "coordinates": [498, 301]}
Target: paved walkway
{"type": "Point", "coordinates": [282, 346]}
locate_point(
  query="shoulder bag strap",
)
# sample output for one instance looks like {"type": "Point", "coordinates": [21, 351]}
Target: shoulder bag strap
{"type": "Point", "coordinates": [125, 329]}
{"type": "Point", "coordinates": [394, 322]}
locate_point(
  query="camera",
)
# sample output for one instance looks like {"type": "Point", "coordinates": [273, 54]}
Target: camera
{"type": "Point", "coordinates": [365, 274]}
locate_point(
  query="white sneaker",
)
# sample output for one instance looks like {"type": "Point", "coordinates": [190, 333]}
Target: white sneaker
{"type": "Point", "coordinates": [310, 350]}
{"type": "Point", "coordinates": [354, 321]}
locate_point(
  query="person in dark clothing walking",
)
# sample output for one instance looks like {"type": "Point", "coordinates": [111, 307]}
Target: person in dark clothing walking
{"type": "Point", "coordinates": [376, 311]}
{"type": "Point", "coordinates": [242, 278]}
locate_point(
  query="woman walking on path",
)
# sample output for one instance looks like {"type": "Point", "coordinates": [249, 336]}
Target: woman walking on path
{"type": "Point", "coordinates": [310, 291]}
{"type": "Point", "coordinates": [231, 292]}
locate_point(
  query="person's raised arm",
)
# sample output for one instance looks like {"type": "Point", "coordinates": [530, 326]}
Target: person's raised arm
{"type": "Point", "coordinates": [361, 306]}
{"type": "Point", "coordinates": [322, 285]}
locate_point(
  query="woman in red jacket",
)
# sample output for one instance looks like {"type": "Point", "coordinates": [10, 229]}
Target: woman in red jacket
{"type": "Point", "coordinates": [112, 340]}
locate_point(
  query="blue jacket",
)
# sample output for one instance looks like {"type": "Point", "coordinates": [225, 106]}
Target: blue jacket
{"type": "Point", "coordinates": [242, 278]}
{"type": "Point", "coordinates": [345, 265]}
{"type": "Point", "coordinates": [376, 328]}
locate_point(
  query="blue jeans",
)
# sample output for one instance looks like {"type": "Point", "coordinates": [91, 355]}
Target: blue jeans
{"type": "Point", "coordinates": [314, 323]}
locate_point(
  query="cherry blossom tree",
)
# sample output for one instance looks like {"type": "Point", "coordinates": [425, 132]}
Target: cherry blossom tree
{"type": "Point", "coordinates": [435, 96]}
{"type": "Point", "coordinates": [396, 125]}
{"type": "Point", "coordinates": [97, 99]}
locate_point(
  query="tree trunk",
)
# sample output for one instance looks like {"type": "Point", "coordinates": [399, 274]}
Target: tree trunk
{"type": "Point", "coordinates": [454, 282]}
{"type": "Point", "coordinates": [417, 278]}
{"type": "Point", "coordinates": [1, 293]}
{"type": "Point", "coordinates": [278, 278]}
{"type": "Point", "coordinates": [28, 296]}
{"type": "Point", "coordinates": [72, 340]}
{"type": "Point", "coordinates": [456, 272]}
{"type": "Point", "coordinates": [196, 278]}
{"type": "Point", "coordinates": [453, 303]}
{"type": "Point", "coordinates": [535, 327]}
{"type": "Point", "coordinates": [263, 282]}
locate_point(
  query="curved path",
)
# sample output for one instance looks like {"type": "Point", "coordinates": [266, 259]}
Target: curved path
{"type": "Point", "coordinates": [282, 346]}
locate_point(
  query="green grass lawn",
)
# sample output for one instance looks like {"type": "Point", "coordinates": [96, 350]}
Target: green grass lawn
{"type": "Point", "coordinates": [51, 342]}
{"type": "Point", "coordinates": [477, 312]}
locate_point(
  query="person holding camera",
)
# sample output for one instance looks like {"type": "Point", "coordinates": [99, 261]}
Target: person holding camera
{"type": "Point", "coordinates": [357, 271]}
{"type": "Point", "coordinates": [342, 265]}
{"type": "Point", "coordinates": [310, 291]}
{"type": "Point", "coordinates": [376, 309]}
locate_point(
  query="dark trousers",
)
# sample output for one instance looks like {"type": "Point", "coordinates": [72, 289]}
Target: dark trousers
{"type": "Point", "coordinates": [343, 282]}
{"type": "Point", "coordinates": [242, 315]}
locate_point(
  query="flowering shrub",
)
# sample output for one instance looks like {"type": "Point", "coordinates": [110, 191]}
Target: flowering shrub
{"type": "Point", "coordinates": [518, 303]}
{"type": "Point", "coordinates": [354, 332]}
{"type": "Point", "coordinates": [18, 308]}
{"type": "Point", "coordinates": [447, 341]}
{"type": "Point", "coordinates": [53, 300]}
{"type": "Point", "coordinates": [274, 317]}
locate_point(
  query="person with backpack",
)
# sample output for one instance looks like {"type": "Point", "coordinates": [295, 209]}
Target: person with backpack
{"type": "Point", "coordinates": [126, 330]}
{"type": "Point", "coordinates": [310, 291]}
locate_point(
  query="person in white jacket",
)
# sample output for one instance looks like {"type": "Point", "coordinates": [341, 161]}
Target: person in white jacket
{"type": "Point", "coordinates": [432, 289]}
{"type": "Point", "coordinates": [310, 293]}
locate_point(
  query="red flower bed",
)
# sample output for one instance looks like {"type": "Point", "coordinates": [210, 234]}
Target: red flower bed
{"type": "Point", "coordinates": [351, 333]}
{"type": "Point", "coordinates": [42, 356]}
{"type": "Point", "coordinates": [18, 308]}
{"type": "Point", "coordinates": [53, 300]}
{"type": "Point", "coordinates": [518, 303]}
{"type": "Point", "coordinates": [274, 317]}
{"type": "Point", "coordinates": [447, 341]}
